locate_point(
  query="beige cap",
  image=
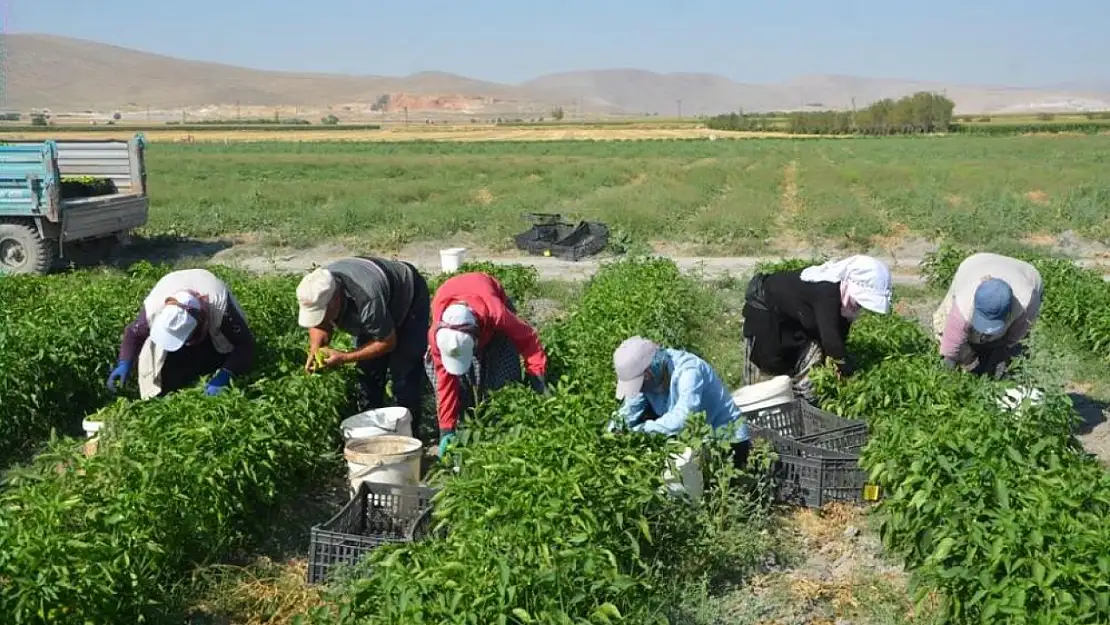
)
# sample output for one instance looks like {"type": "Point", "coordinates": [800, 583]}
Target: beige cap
{"type": "Point", "coordinates": [631, 361]}
{"type": "Point", "coordinates": [314, 293]}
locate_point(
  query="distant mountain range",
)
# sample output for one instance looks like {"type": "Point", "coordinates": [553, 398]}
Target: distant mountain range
{"type": "Point", "coordinates": [64, 74]}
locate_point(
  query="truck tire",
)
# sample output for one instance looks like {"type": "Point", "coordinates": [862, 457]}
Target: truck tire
{"type": "Point", "coordinates": [23, 251]}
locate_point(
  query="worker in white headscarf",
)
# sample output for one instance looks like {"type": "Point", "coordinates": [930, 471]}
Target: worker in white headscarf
{"type": "Point", "coordinates": [795, 319]}
{"type": "Point", "coordinates": [189, 326]}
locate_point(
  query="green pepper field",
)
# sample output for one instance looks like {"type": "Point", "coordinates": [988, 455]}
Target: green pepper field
{"type": "Point", "coordinates": [550, 520]}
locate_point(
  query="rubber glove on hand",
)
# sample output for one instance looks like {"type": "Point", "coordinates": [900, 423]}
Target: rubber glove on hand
{"type": "Point", "coordinates": [119, 375]}
{"type": "Point", "coordinates": [445, 440]}
{"type": "Point", "coordinates": [538, 384]}
{"type": "Point", "coordinates": [218, 382]}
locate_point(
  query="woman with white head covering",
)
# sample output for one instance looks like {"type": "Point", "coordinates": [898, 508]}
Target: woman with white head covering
{"type": "Point", "coordinates": [794, 319]}
{"type": "Point", "coordinates": [188, 326]}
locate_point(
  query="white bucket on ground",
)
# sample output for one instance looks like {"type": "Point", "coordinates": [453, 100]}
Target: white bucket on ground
{"type": "Point", "coordinates": [773, 392]}
{"type": "Point", "coordinates": [451, 259]}
{"type": "Point", "coordinates": [385, 459]}
{"type": "Point", "coordinates": [91, 427]}
{"type": "Point", "coordinates": [395, 420]}
{"type": "Point", "coordinates": [689, 482]}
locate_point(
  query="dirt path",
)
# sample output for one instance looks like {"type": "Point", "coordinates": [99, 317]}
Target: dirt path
{"type": "Point", "coordinates": [790, 202]}
{"type": "Point", "coordinates": [713, 267]}
{"type": "Point", "coordinates": [426, 258]}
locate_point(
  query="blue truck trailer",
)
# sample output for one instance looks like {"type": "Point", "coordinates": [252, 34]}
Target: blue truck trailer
{"type": "Point", "coordinates": [46, 206]}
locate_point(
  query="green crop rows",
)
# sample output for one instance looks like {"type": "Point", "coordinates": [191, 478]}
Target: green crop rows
{"type": "Point", "coordinates": [719, 197]}
{"type": "Point", "coordinates": [175, 483]}
{"type": "Point", "coordinates": [549, 519]}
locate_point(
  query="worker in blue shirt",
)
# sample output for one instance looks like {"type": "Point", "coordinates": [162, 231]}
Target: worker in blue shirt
{"type": "Point", "coordinates": [662, 387]}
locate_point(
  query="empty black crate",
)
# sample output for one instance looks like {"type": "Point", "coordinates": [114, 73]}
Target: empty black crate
{"type": "Point", "coordinates": [553, 237]}
{"type": "Point", "coordinates": [805, 423]}
{"type": "Point", "coordinates": [378, 514]}
{"type": "Point", "coordinates": [813, 476]}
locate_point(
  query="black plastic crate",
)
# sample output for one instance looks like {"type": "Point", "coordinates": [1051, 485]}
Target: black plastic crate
{"type": "Point", "coordinates": [553, 237]}
{"type": "Point", "coordinates": [812, 476]}
{"type": "Point", "coordinates": [378, 514]}
{"type": "Point", "coordinates": [800, 420]}
{"type": "Point", "coordinates": [850, 439]}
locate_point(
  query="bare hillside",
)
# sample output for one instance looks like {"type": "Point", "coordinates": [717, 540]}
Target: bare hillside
{"type": "Point", "coordinates": [64, 74]}
{"type": "Point", "coordinates": [71, 74]}
{"type": "Point", "coordinates": [644, 91]}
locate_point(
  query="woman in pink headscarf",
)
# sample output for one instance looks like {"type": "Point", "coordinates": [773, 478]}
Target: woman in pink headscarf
{"type": "Point", "coordinates": [794, 319]}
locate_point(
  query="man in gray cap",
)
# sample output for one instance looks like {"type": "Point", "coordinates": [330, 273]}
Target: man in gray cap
{"type": "Point", "coordinates": [989, 309]}
{"type": "Point", "coordinates": [662, 387]}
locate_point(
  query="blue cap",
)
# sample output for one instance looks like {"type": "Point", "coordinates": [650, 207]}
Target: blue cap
{"type": "Point", "coordinates": [992, 306]}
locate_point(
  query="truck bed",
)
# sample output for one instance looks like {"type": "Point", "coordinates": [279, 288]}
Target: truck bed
{"type": "Point", "coordinates": [87, 217]}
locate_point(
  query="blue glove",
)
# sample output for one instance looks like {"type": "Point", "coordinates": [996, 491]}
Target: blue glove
{"type": "Point", "coordinates": [218, 382]}
{"type": "Point", "coordinates": [119, 374]}
{"type": "Point", "coordinates": [445, 440]}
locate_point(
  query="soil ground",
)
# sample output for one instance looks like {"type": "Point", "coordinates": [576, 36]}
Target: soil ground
{"type": "Point", "coordinates": [904, 261]}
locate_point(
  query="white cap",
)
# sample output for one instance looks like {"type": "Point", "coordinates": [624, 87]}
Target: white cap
{"type": "Point", "coordinates": [314, 293]}
{"type": "Point", "coordinates": [456, 348]}
{"type": "Point", "coordinates": [173, 325]}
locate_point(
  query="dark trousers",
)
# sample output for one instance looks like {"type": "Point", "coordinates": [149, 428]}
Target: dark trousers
{"type": "Point", "coordinates": [404, 365]}
{"type": "Point", "coordinates": [187, 365]}
{"type": "Point", "coordinates": [740, 452]}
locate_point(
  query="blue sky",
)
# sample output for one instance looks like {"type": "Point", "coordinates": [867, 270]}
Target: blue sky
{"type": "Point", "coordinates": [1016, 42]}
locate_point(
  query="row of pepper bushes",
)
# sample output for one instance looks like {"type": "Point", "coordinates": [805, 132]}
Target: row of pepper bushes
{"type": "Point", "coordinates": [549, 519]}
{"type": "Point", "coordinates": [60, 334]}
{"type": "Point", "coordinates": [1001, 511]}
{"type": "Point", "coordinates": [175, 483]}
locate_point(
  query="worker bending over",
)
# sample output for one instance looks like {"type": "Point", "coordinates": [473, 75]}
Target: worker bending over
{"type": "Point", "coordinates": [989, 309]}
{"type": "Point", "coordinates": [188, 326]}
{"type": "Point", "coordinates": [476, 344]}
{"type": "Point", "coordinates": [793, 320]}
{"type": "Point", "coordinates": [384, 305]}
{"type": "Point", "coordinates": [661, 388]}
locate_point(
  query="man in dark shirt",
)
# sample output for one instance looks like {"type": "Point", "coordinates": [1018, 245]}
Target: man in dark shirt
{"type": "Point", "coordinates": [384, 304]}
{"type": "Point", "coordinates": [190, 325]}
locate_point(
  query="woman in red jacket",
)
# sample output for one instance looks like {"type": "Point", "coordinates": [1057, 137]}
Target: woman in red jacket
{"type": "Point", "coordinates": [475, 345]}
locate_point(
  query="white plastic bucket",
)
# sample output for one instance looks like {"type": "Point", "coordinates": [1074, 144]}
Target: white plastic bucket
{"type": "Point", "coordinates": [451, 259]}
{"type": "Point", "coordinates": [689, 482]}
{"type": "Point", "coordinates": [395, 420]}
{"type": "Point", "coordinates": [91, 427]}
{"type": "Point", "coordinates": [773, 392]}
{"type": "Point", "coordinates": [385, 459]}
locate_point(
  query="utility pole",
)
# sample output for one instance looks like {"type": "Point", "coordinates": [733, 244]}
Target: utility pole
{"type": "Point", "coordinates": [406, 116]}
{"type": "Point", "coordinates": [679, 102]}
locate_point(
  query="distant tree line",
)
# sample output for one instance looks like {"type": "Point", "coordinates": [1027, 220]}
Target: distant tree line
{"type": "Point", "coordinates": [922, 112]}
